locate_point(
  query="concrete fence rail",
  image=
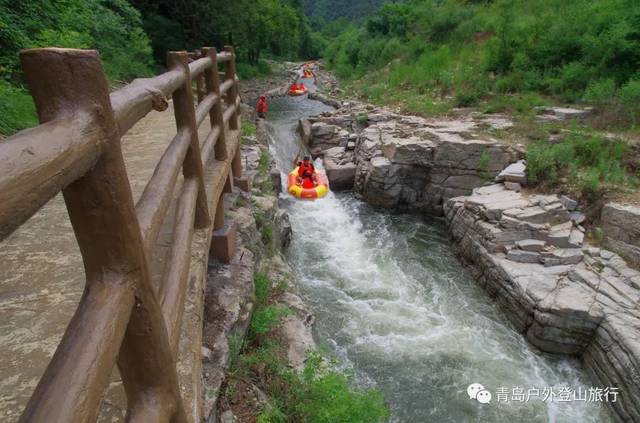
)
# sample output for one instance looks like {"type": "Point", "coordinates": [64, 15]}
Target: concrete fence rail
{"type": "Point", "coordinates": [121, 317]}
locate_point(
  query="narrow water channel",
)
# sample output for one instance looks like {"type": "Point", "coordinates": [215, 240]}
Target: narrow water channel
{"type": "Point", "coordinates": [396, 309]}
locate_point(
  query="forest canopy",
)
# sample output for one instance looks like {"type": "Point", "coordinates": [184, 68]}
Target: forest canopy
{"type": "Point", "coordinates": [133, 37]}
{"type": "Point", "coordinates": [276, 27]}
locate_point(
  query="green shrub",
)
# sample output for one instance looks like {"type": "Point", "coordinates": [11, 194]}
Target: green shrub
{"type": "Point", "coordinates": [265, 319]}
{"type": "Point", "coordinates": [325, 397]}
{"type": "Point", "coordinates": [264, 161]}
{"type": "Point", "coordinates": [248, 128]}
{"type": "Point", "coordinates": [363, 118]}
{"type": "Point", "coordinates": [630, 99]}
{"type": "Point", "coordinates": [262, 287]}
{"type": "Point", "coordinates": [250, 71]}
{"type": "Point", "coordinates": [17, 110]}
{"type": "Point", "coordinates": [271, 414]}
{"type": "Point", "coordinates": [601, 92]}
{"type": "Point", "coordinates": [467, 98]}
{"type": "Point", "coordinates": [587, 162]}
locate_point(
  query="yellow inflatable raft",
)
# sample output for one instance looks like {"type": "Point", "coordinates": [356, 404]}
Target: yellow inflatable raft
{"type": "Point", "coordinates": [320, 190]}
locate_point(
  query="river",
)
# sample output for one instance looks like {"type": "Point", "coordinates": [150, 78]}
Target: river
{"type": "Point", "coordinates": [395, 309]}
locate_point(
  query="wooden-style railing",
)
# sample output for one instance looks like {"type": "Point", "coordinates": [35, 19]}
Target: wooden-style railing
{"type": "Point", "coordinates": [76, 149]}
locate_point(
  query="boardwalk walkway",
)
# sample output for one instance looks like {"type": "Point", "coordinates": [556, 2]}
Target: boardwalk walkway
{"type": "Point", "coordinates": [42, 279]}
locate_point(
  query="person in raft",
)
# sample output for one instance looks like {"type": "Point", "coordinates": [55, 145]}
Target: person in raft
{"type": "Point", "coordinates": [261, 107]}
{"type": "Point", "coordinates": [306, 173]}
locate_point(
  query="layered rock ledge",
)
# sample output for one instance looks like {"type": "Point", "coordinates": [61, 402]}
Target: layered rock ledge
{"type": "Point", "coordinates": [527, 252]}
{"type": "Point", "coordinates": [405, 163]}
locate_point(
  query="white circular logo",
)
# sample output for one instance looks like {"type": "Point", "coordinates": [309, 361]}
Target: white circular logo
{"type": "Point", "coordinates": [473, 390]}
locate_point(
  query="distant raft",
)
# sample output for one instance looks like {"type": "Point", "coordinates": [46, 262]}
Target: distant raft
{"type": "Point", "coordinates": [307, 74]}
{"type": "Point", "coordinates": [320, 190]}
{"type": "Point", "coordinates": [295, 91]}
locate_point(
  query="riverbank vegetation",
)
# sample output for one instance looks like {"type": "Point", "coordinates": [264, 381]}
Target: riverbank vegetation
{"type": "Point", "coordinates": [586, 163]}
{"type": "Point", "coordinates": [516, 57]}
{"type": "Point", "coordinates": [316, 395]}
{"type": "Point", "coordinates": [434, 55]}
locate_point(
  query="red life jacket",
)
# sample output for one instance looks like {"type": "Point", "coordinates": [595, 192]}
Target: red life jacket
{"type": "Point", "coordinates": [305, 170]}
{"type": "Point", "coordinates": [261, 106]}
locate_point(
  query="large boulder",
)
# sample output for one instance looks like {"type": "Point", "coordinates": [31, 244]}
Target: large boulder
{"type": "Point", "coordinates": [325, 136]}
{"type": "Point", "coordinates": [341, 177]}
{"type": "Point", "coordinates": [432, 164]}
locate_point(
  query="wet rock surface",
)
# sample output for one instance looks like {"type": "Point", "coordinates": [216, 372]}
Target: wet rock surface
{"type": "Point", "coordinates": [527, 251]}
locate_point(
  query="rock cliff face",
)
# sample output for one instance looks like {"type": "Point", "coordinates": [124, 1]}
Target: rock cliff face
{"type": "Point", "coordinates": [527, 252]}
{"type": "Point", "coordinates": [404, 163]}
{"type": "Point", "coordinates": [621, 226]}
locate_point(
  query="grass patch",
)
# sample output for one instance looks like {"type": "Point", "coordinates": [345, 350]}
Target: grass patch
{"type": "Point", "coordinates": [248, 128]}
{"type": "Point", "coordinates": [267, 233]}
{"type": "Point", "coordinates": [266, 318]}
{"type": "Point", "coordinates": [17, 110]}
{"type": "Point", "coordinates": [316, 395]}
{"type": "Point", "coordinates": [363, 118]}
{"type": "Point", "coordinates": [516, 104]}
{"type": "Point", "coordinates": [588, 162]}
{"type": "Point", "coordinates": [264, 162]}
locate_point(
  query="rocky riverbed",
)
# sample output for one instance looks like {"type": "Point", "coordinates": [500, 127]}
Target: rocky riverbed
{"type": "Point", "coordinates": [526, 249]}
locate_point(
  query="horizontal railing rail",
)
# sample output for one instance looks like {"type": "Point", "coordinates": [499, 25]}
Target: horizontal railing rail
{"type": "Point", "coordinates": [121, 318]}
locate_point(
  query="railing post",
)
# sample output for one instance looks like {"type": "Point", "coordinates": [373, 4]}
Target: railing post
{"type": "Point", "coordinates": [186, 121]}
{"type": "Point", "coordinates": [212, 81]}
{"type": "Point", "coordinates": [218, 221]}
{"type": "Point", "coordinates": [236, 164]}
{"type": "Point", "coordinates": [228, 185]}
{"type": "Point", "coordinates": [200, 88]}
{"type": "Point", "coordinates": [223, 242]}
{"type": "Point", "coordinates": [232, 94]}
{"type": "Point", "coordinates": [118, 315]}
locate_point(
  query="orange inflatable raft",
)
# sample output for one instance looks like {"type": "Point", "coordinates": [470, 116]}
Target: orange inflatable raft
{"type": "Point", "coordinates": [297, 91]}
{"type": "Point", "coordinates": [320, 190]}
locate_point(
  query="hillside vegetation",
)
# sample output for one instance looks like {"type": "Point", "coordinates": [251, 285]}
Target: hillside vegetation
{"type": "Point", "coordinates": [133, 37]}
{"type": "Point", "coordinates": [334, 9]}
{"type": "Point", "coordinates": [106, 26]}
{"type": "Point", "coordinates": [435, 54]}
